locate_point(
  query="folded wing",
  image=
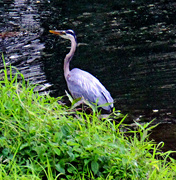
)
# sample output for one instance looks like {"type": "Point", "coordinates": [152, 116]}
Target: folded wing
{"type": "Point", "coordinates": [83, 84]}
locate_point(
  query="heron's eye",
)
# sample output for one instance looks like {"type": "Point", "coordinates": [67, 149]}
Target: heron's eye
{"type": "Point", "coordinates": [63, 33]}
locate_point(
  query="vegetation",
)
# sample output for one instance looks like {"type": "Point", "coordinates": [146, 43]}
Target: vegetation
{"type": "Point", "coordinates": [40, 139]}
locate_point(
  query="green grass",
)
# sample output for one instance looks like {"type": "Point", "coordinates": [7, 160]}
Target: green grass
{"type": "Point", "coordinates": [40, 139]}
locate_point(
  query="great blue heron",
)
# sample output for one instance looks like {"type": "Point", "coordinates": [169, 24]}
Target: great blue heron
{"type": "Point", "coordinates": [81, 83]}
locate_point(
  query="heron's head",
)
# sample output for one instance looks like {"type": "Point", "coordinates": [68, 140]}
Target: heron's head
{"type": "Point", "coordinates": [66, 34]}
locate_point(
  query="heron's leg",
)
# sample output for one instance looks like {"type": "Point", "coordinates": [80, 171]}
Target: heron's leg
{"type": "Point", "coordinates": [78, 103]}
{"type": "Point", "coordinates": [85, 102]}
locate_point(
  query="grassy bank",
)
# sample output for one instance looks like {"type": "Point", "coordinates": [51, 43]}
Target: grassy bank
{"type": "Point", "coordinates": [40, 139]}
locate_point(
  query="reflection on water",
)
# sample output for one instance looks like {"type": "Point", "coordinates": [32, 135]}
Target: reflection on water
{"type": "Point", "coordinates": [19, 39]}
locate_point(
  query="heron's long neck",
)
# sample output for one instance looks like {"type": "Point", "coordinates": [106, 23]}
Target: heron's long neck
{"type": "Point", "coordinates": [68, 58]}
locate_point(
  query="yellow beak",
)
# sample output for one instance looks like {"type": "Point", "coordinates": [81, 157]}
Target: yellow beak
{"type": "Point", "coordinates": [57, 32]}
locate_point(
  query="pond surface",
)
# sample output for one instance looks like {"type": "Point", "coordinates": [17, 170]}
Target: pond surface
{"type": "Point", "coordinates": [130, 46]}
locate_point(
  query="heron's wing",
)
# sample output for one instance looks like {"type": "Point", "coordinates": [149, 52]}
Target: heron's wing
{"type": "Point", "coordinates": [83, 84]}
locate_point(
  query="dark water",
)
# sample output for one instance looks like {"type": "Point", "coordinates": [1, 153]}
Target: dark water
{"type": "Point", "coordinates": [130, 46]}
{"type": "Point", "coordinates": [165, 133]}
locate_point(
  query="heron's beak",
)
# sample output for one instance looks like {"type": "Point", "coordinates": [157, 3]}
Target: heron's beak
{"type": "Point", "coordinates": [57, 32]}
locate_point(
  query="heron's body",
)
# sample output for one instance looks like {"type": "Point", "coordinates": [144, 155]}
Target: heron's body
{"type": "Point", "coordinates": [81, 83]}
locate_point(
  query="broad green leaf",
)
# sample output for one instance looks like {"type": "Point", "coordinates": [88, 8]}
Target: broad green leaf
{"type": "Point", "coordinates": [94, 167]}
{"type": "Point", "coordinates": [57, 151]}
{"type": "Point", "coordinates": [59, 168]}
